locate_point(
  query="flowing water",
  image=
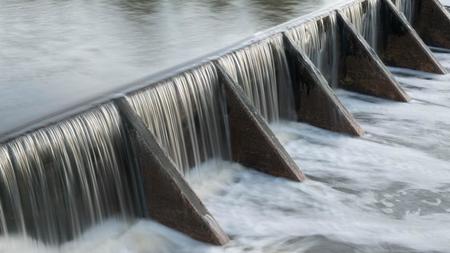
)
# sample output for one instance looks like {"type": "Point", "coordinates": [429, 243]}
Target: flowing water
{"type": "Point", "coordinates": [318, 39]}
{"type": "Point", "coordinates": [186, 116]}
{"type": "Point", "coordinates": [365, 19]}
{"type": "Point", "coordinates": [385, 192]}
{"type": "Point", "coordinates": [406, 7]}
{"type": "Point", "coordinates": [58, 54]}
{"type": "Point", "coordinates": [263, 73]}
{"type": "Point", "coordinates": [61, 180]}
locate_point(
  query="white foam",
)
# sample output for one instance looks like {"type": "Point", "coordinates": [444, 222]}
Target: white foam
{"type": "Point", "coordinates": [388, 191]}
{"type": "Point", "coordinates": [112, 236]}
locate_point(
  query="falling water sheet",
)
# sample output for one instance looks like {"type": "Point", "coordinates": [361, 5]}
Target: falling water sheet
{"type": "Point", "coordinates": [388, 191]}
{"type": "Point", "coordinates": [385, 192]}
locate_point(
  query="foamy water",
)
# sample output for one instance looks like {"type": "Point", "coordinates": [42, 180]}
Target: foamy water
{"type": "Point", "coordinates": [388, 191]}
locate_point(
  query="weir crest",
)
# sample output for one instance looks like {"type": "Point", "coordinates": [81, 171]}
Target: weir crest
{"type": "Point", "coordinates": [127, 157]}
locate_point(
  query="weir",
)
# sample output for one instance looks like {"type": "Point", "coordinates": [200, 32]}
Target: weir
{"type": "Point", "coordinates": [58, 181]}
{"type": "Point", "coordinates": [391, 36]}
{"type": "Point", "coordinates": [430, 19]}
{"type": "Point", "coordinates": [127, 156]}
{"type": "Point", "coordinates": [186, 115]}
{"type": "Point", "coordinates": [262, 71]}
{"type": "Point", "coordinates": [344, 58]}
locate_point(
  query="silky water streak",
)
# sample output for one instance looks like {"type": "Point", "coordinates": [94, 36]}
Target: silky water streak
{"type": "Point", "coordinates": [366, 19]}
{"type": "Point", "coordinates": [406, 7]}
{"type": "Point", "coordinates": [58, 181]}
{"type": "Point", "coordinates": [262, 71]}
{"type": "Point", "coordinates": [318, 40]}
{"type": "Point", "coordinates": [186, 114]}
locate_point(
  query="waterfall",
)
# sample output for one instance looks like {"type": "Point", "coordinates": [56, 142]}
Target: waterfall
{"type": "Point", "coordinates": [365, 17]}
{"type": "Point", "coordinates": [8, 191]}
{"type": "Point", "coordinates": [186, 115]}
{"type": "Point", "coordinates": [318, 39]}
{"type": "Point", "coordinates": [261, 70]}
{"type": "Point", "coordinates": [60, 180]}
{"type": "Point", "coordinates": [406, 7]}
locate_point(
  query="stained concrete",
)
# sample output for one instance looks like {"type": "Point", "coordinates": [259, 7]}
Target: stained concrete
{"type": "Point", "coordinates": [401, 46]}
{"type": "Point", "coordinates": [316, 103]}
{"type": "Point", "coordinates": [169, 199]}
{"type": "Point", "coordinates": [253, 144]}
{"type": "Point", "coordinates": [432, 22]}
{"type": "Point", "coordinates": [360, 69]}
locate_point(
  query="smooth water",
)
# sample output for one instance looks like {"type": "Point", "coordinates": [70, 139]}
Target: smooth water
{"type": "Point", "coordinates": [57, 54]}
{"type": "Point", "coordinates": [385, 192]}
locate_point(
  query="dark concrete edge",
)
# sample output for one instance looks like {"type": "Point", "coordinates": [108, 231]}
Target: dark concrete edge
{"type": "Point", "coordinates": [420, 43]}
{"type": "Point", "coordinates": [295, 173]}
{"type": "Point", "coordinates": [442, 7]}
{"type": "Point", "coordinates": [325, 87]}
{"type": "Point", "coordinates": [169, 168]}
{"type": "Point", "coordinates": [404, 97]}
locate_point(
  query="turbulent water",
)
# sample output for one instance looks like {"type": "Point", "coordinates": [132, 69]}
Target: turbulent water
{"type": "Point", "coordinates": [388, 191]}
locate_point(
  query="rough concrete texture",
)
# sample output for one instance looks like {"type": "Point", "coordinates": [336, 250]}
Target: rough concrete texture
{"type": "Point", "coordinates": [401, 46]}
{"type": "Point", "coordinates": [316, 103]}
{"type": "Point", "coordinates": [168, 197]}
{"type": "Point", "coordinates": [253, 144]}
{"type": "Point", "coordinates": [432, 23]}
{"type": "Point", "coordinates": [360, 69]}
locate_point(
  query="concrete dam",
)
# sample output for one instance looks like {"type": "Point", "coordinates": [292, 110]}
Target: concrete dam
{"type": "Point", "coordinates": [129, 154]}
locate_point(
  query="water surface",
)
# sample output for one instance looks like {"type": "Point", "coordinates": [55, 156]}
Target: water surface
{"type": "Point", "coordinates": [388, 191]}
{"type": "Point", "coordinates": [56, 54]}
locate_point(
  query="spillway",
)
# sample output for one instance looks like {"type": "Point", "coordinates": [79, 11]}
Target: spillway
{"type": "Point", "coordinates": [186, 116]}
{"type": "Point", "coordinates": [60, 180]}
{"type": "Point", "coordinates": [131, 154]}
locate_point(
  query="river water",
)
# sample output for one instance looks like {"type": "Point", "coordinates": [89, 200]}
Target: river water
{"type": "Point", "coordinates": [388, 191]}
{"type": "Point", "coordinates": [57, 54]}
